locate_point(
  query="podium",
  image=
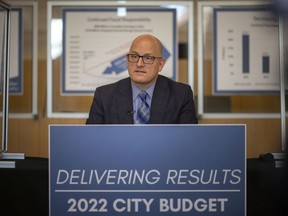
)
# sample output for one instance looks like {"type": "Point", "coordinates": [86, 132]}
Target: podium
{"type": "Point", "coordinates": [148, 170]}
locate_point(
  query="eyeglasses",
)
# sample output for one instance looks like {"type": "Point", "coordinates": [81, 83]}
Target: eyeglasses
{"type": "Point", "coordinates": [147, 59]}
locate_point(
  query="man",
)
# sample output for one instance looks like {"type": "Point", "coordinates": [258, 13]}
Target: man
{"type": "Point", "coordinates": [167, 101]}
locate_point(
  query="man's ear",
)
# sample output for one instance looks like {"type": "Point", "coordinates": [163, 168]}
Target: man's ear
{"type": "Point", "coordinates": [162, 63]}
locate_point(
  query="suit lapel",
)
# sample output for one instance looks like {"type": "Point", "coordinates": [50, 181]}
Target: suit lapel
{"type": "Point", "coordinates": [125, 103]}
{"type": "Point", "coordinates": [159, 101]}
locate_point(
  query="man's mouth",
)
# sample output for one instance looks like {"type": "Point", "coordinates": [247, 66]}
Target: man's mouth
{"type": "Point", "coordinates": [139, 71]}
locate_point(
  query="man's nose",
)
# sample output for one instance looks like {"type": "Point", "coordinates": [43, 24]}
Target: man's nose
{"type": "Point", "coordinates": [140, 61]}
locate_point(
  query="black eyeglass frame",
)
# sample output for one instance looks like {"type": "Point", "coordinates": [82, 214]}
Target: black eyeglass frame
{"type": "Point", "coordinates": [143, 58]}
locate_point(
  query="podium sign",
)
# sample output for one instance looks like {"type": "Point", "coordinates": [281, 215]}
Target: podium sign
{"type": "Point", "coordinates": [147, 170]}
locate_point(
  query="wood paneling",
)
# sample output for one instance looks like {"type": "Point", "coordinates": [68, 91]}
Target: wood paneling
{"type": "Point", "coordinates": [262, 135]}
{"type": "Point", "coordinates": [30, 136]}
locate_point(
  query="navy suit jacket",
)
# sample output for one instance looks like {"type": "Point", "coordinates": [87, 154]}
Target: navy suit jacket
{"type": "Point", "coordinates": [172, 103]}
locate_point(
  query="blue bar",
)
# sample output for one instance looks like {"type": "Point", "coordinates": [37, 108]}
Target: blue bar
{"type": "Point", "coordinates": [245, 53]}
{"type": "Point", "coordinates": [265, 64]}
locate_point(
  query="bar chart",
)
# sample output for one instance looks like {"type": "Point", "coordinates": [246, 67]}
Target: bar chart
{"type": "Point", "coordinates": [265, 63]}
{"type": "Point", "coordinates": [246, 51]}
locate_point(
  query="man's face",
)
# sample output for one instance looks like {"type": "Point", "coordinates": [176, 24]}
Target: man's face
{"type": "Point", "coordinates": [144, 74]}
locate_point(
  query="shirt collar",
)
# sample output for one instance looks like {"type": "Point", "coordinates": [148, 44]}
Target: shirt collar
{"type": "Point", "coordinates": [136, 90]}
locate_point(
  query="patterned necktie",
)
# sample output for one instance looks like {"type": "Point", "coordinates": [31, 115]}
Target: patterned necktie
{"type": "Point", "coordinates": [143, 112]}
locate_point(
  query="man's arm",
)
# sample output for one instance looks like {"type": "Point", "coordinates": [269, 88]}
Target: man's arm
{"type": "Point", "coordinates": [187, 114]}
{"type": "Point", "coordinates": [96, 113]}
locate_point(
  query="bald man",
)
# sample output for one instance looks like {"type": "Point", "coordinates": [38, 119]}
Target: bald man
{"type": "Point", "coordinates": [168, 102]}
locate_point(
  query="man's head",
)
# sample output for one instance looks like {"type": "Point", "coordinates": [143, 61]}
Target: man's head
{"type": "Point", "coordinates": [144, 70]}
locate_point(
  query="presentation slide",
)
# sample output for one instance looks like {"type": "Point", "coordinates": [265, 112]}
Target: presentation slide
{"type": "Point", "coordinates": [246, 53]}
{"type": "Point", "coordinates": [15, 66]}
{"type": "Point", "coordinates": [96, 42]}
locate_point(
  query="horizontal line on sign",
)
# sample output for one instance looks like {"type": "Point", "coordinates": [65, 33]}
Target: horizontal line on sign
{"type": "Point", "coordinates": [144, 191]}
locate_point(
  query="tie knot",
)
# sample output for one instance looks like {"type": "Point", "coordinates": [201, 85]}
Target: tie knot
{"type": "Point", "coordinates": [143, 95]}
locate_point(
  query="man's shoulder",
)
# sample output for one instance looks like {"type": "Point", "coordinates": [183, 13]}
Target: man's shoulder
{"type": "Point", "coordinates": [117, 84]}
{"type": "Point", "coordinates": [171, 83]}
